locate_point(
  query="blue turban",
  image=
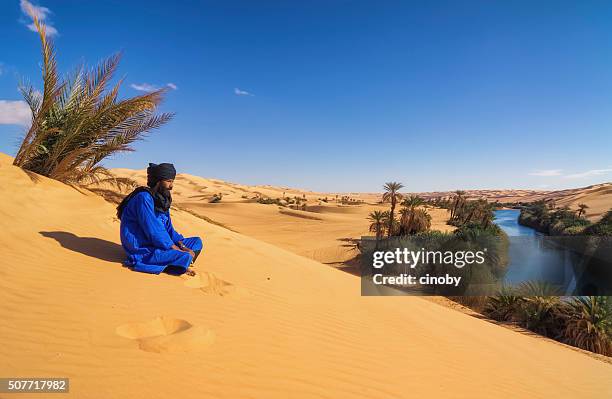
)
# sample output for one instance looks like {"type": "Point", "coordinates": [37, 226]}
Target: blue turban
{"type": "Point", "coordinates": [163, 171]}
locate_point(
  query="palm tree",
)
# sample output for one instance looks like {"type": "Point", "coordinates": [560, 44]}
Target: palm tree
{"type": "Point", "coordinates": [407, 219]}
{"type": "Point", "coordinates": [77, 122]}
{"type": "Point", "coordinates": [378, 223]}
{"type": "Point", "coordinates": [414, 221]}
{"type": "Point", "coordinates": [412, 202]}
{"type": "Point", "coordinates": [392, 195]}
{"type": "Point", "coordinates": [487, 215]}
{"type": "Point", "coordinates": [421, 221]}
{"type": "Point", "coordinates": [390, 223]}
{"type": "Point", "coordinates": [459, 199]}
{"type": "Point", "coordinates": [582, 209]}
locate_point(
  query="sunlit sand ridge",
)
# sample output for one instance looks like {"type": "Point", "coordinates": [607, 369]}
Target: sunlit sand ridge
{"type": "Point", "coordinates": [597, 197]}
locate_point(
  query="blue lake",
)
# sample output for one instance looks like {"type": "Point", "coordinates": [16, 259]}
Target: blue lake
{"type": "Point", "coordinates": [534, 256]}
{"type": "Point", "coordinates": [507, 219]}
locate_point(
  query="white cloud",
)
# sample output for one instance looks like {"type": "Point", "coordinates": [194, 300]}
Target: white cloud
{"type": "Point", "coordinates": [144, 87]}
{"type": "Point", "coordinates": [239, 92]}
{"type": "Point", "coordinates": [589, 173]}
{"type": "Point", "coordinates": [546, 173]}
{"type": "Point", "coordinates": [581, 175]}
{"type": "Point", "coordinates": [149, 87]}
{"type": "Point", "coordinates": [15, 113]}
{"type": "Point", "coordinates": [36, 11]}
{"type": "Point", "coordinates": [39, 12]}
{"type": "Point", "coordinates": [49, 30]}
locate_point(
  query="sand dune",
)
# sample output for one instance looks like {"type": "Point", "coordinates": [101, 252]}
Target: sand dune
{"type": "Point", "coordinates": [194, 188]}
{"type": "Point", "coordinates": [257, 321]}
{"type": "Point", "coordinates": [598, 198]}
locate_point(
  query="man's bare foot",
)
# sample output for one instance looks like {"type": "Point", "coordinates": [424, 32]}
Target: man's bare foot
{"type": "Point", "coordinates": [190, 273]}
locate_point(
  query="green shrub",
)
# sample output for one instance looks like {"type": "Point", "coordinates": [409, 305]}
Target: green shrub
{"type": "Point", "coordinates": [584, 322]}
{"type": "Point", "coordinates": [588, 324]}
{"type": "Point", "coordinates": [541, 314]}
{"type": "Point", "coordinates": [603, 227]}
{"type": "Point", "coordinates": [504, 306]}
{"type": "Point", "coordinates": [554, 222]}
{"type": "Point", "coordinates": [574, 230]}
{"type": "Point", "coordinates": [271, 201]}
{"type": "Point", "coordinates": [537, 307]}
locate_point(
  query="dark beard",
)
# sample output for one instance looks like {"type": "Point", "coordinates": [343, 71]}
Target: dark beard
{"type": "Point", "coordinates": [162, 199]}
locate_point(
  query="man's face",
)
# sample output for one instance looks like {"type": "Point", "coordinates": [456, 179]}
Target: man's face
{"type": "Point", "coordinates": [166, 185]}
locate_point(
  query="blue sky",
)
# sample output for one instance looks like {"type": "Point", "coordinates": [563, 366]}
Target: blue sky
{"type": "Point", "coordinates": [346, 95]}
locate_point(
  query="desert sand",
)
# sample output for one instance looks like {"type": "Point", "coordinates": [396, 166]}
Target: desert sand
{"type": "Point", "coordinates": [598, 198]}
{"type": "Point", "coordinates": [257, 321]}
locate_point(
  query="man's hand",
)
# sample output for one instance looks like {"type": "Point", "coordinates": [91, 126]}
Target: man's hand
{"type": "Point", "coordinates": [183, 248]}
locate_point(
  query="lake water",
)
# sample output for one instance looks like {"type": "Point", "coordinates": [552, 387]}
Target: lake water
{"type": "Point", "coordinates": [534, 256]}
{"type": "Point", "coordinates": [507, 219]}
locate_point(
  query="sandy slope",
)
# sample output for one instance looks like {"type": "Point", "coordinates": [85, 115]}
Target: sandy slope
{"type": "Point", "coordinates": [257, 322]}
{"type": "Point", "coordinates": [598, 198]}
{"type": "Point", "coordinates": [197, 189]}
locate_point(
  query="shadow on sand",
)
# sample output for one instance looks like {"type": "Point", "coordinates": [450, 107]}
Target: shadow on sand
{"type": "Point", "coordinates": [97, 248]}
{"type": "Point", "coordinates": [90, 246]}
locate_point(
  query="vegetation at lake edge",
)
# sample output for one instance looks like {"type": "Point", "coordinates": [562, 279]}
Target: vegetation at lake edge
{"type": "Point", "coordinates": [411, 220]}
{"type": "Point", "coordinates": [410, 227]}
{"type": "Point", "coordinates": [544, 217]}
{"type": "Point", "coordinates": [471, 218]}
{"type": "Point", "coordinates": [583, 321]}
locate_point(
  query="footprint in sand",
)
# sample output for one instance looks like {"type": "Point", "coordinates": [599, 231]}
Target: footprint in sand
{"type": "Point", "coordinates": [212, 285]}
{"type": "Point", "coordinates": [166, 334]}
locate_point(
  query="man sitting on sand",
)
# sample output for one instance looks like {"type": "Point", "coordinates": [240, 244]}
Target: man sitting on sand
{"type": "Point", "coordinates": [147, 235]}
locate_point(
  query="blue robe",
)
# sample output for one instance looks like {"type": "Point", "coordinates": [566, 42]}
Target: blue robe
{"type": "Point", "coordinates": [147, 237]}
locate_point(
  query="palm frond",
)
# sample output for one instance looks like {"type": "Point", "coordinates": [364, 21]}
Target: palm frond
{"type": "Point", "coordinates": [52, 88]}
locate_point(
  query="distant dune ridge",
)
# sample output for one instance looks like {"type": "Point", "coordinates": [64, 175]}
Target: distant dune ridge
{"type": "Point", "coordinates": [257, 321]}
{"type": "Point", "coordinates": [196, 189]}
{"type": "Point", "coordinates": [597, 197]}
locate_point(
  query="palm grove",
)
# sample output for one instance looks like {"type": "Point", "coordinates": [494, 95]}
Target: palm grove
{"type": "Point", "coordinates": [413, 219]}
